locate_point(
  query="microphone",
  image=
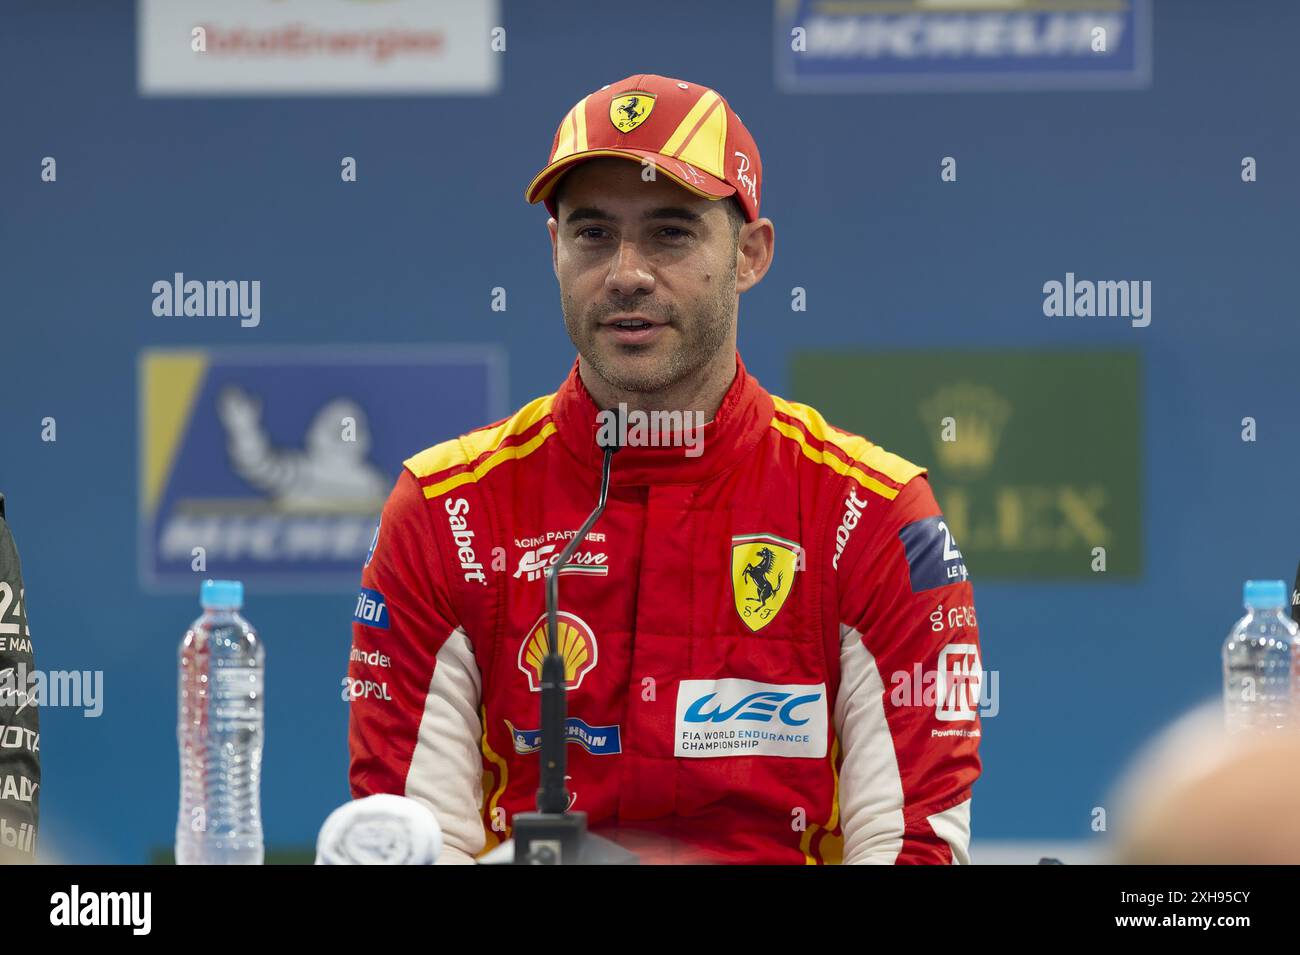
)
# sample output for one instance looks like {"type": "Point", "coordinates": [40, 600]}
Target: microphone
{"type": "Point", "coordinates": [552, 835]}
{"type": "Point", "coordinates": [552, 794]}
{"type": "Point", "coordinates": [383, 829]}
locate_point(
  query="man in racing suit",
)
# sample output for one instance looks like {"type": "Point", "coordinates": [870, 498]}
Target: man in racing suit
{"type": "Point", "coordinates": [770, 641]}
{"type": "Point", "coordinates": [20, 727]}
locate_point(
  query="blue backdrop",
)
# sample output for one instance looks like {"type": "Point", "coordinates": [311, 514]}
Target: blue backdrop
{"type": "Point", "coordinates": [1124, 184]}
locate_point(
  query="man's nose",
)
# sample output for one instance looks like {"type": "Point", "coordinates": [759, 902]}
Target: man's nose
{"type": "Point", "coordinates": [629, 272]}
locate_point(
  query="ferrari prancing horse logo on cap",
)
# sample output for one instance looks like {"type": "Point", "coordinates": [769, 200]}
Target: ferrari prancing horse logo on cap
{"type": "Point", "coordinates": [630, 110]}
{"type": "Point", "coordinates": [762, 571]}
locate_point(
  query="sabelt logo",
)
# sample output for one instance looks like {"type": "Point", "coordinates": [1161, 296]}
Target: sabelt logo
{"type": "Point", "coordinates": [463, 538]}
{"type": "Point", "coordinates": [354, 689]}
{"type": "Point", "coordinates": [852, 514]}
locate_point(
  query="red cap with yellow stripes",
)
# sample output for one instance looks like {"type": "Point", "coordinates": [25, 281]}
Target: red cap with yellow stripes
{"type": "Point", "coordinates": [687, 131]}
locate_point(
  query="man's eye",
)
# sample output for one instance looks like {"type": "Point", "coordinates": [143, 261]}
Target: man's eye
{"type": "Point", "coordinates": [673, 233]}
{"type": "Point", "coordinates": [591, 232]}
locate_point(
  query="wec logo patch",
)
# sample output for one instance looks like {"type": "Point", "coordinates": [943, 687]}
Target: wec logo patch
{"type": "Point", "coordinates": [743, 718]}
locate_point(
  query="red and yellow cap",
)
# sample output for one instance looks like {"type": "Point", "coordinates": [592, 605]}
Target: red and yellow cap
{"type": "Point", "coordinates": [687, 131]}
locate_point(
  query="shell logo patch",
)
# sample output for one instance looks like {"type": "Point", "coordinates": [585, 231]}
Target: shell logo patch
{"type": "Point", "coordinates": [630, 110]}
{"type": "Point", "coordinates": [762, 572]}
{"type": "Point", "coordinates": [577, 645]}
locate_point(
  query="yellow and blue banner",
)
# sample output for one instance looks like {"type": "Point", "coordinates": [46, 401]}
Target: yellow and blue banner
{"type": "Point", "coordinates": [271, 465]}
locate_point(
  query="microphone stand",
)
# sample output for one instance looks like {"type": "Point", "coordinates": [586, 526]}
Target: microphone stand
{"type": "Point", "coordinates": [552, 835]}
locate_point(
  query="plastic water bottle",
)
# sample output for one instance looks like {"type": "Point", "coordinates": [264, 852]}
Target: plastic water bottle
{"type": "Point", "coordinates": [222, 662]}
{"type": "Point", "coordinates": [1259, 660]}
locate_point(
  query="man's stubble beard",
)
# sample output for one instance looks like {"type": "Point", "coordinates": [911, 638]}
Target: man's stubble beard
{"type": "Point", "coordinates": [699, 339]}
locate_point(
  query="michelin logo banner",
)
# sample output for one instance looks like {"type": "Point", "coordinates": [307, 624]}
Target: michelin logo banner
{"type": "Point", "coordinates": [919, 45]}
{"type": "Point", "coordinates": [271, 465]}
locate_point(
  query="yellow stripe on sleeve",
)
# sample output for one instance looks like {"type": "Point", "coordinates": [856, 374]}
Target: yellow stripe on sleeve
{"type": "Point", "coordinates": [859, 449]}
{"type": "Point", "coordinates": [470, 447]}
{"type": "Point", "coordinates": [512, 453]}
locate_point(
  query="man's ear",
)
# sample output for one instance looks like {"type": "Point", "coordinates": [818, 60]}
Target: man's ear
{"type": "Point", "coordinates": [755, 247]}
{"type": "Point", "coordinates": [553, 228]}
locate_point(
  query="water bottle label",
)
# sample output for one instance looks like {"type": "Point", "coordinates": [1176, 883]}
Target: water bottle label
{"type": "Point", "coordinates": [241, 678]}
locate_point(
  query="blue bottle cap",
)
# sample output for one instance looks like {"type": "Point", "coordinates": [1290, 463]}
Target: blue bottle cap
{"type": "Point", "coordinates": [223, 594]}
{"type": "Point", "coordinates": [1264, 594]}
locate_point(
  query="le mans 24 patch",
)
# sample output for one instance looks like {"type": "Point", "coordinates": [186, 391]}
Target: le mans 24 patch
{"type": "Point", "coordinates": [933, 559]}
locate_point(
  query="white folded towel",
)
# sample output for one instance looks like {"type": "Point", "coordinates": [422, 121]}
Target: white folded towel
{"type": "Point", "coordinates": [380, 830]}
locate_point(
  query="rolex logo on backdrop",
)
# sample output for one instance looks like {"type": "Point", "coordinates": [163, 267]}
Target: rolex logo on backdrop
{"type": "Point", "coordinates": [1033, 455]}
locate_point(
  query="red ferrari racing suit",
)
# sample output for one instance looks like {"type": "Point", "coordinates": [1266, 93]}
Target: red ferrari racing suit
{"type": "Point", "coordinates": [770, 641]}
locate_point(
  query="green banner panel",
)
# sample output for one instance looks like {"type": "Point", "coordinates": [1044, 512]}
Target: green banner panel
{"type": "Point", "coordinates": [1035, 456]}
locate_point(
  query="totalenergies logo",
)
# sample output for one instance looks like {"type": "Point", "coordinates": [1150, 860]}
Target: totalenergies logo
{"type": "Point", "coordinates": [577, 646]}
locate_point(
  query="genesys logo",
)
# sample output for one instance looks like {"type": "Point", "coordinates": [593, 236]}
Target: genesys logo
{"type": "Point", "coordinates": [533, 563]}
{"type": "Point", "coordinates": [731, 717]}
{"type": "Point", "coordinates": [356, 689]}
{"type": "Point", "coordinates": [371, 609]}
